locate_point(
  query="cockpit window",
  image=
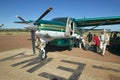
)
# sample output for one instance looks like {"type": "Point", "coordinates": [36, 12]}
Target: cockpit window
{"type": "Point", "coordinates": [60, 19]}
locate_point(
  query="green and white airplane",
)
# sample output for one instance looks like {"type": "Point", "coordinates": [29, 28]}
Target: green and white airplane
{"type": "Point", "coordinates": [61, 31]}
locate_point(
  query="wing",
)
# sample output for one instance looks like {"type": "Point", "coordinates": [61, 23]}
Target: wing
{"type": "Point", "coordinates": [85, 22]}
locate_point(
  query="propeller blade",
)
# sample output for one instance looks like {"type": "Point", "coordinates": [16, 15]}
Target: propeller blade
{"type": "Point", "coordinates": [33, 40]}
{"type": "Point", "coordinates": [45, 13]}
{"type": "Point", "coordinates": [21, 19]}
{"type": "Point", "coordinates": [21, 22]}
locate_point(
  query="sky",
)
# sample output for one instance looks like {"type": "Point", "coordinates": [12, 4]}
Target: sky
{"type": "Point", "coordinates": [32, 9]}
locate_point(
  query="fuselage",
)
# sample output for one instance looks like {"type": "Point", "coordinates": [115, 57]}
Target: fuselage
{"type": "Point", "coordinates": [56, 28]}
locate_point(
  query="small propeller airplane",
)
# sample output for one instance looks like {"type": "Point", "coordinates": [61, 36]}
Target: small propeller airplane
{"type": "Point", "coordinates": [61, 31]}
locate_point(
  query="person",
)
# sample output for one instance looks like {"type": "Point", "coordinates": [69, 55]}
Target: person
{"type": "Point", "coordinates": [104, 38]}
{"type": "Point", "coordinates": [97, 42]}
{"type": "Point", "coordinates": [82, 42]}
{"type": "Point", "coordinates": [115, 35]}
{"type": "Point", "coordinates": [88, 40]}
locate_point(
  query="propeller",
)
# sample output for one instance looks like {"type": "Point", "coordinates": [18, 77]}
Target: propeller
{"type": "Point", "coordinates": [33, 40]}
{"type": "Point", "coordinates": [44, 14]}
{"type": "Point", "coordinates": [32, 26]}
{"type": "Point", "coordinates": [21, 18]}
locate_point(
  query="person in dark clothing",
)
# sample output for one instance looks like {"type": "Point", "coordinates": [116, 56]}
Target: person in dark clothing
{"type": "Point", "coordinates": [88, 40]}
{"type": "Point", "coordinates": [89, 37]}
{"type": "Point", "coordinates": [115, 35]}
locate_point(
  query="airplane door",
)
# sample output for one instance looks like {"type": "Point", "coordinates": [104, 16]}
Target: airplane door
{"type": "Point", "coordinates": [69, 28]}
{"type": "Point", "coordinates": [72, 28]}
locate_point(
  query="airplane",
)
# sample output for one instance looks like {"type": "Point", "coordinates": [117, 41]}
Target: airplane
{"type": "Point", "coordinates": [62, 31]}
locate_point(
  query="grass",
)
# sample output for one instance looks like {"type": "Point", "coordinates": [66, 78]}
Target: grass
{"type": "Point", "coordinates": [13, 32]}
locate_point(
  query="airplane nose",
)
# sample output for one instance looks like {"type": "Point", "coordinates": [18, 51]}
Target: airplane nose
{"type": "Point", "coordinates": [31, 27]}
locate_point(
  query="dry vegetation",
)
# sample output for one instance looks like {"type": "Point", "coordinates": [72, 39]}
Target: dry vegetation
{"type": "Point", "coordinates": [13, 32]}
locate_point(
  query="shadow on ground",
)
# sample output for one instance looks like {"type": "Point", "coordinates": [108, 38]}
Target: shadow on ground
{"type": "Point", "coordinates": [114, 50]}
{"type": "Point", "coordinates": [51, 48]}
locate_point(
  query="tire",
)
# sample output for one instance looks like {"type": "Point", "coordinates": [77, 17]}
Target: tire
{"type": "Point", "coordinates": [42, 55]}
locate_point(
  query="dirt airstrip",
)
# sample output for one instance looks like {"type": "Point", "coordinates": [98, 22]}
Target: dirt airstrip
{"type": "Point", "coordinates": [16, 58]}
{"type": "Point", "coordinates": [10, 42]}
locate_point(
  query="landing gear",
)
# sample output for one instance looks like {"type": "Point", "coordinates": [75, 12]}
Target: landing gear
{"type": "Point", "coordinates": [40, 44]}
{"type": "Point", "coordinates": [42, 55]}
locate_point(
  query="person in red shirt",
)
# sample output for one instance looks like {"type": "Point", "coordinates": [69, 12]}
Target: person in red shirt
{"type": "Point", "coordinates": [97, 42]}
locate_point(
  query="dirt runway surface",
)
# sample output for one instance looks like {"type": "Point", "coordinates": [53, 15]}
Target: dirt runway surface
{"type": "Point", "coordinates": [10, 42]}
{"type": "Point", "coordinates": [17, 62]}
{"type": "Point", "coordinates": [21, 64]}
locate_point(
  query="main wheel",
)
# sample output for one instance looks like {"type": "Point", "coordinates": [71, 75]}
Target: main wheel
{"type": "Point", "coordinates": [42, 55]}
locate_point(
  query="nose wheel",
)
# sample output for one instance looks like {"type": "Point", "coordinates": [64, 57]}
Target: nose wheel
{"type": "Point", "coordinates": [42, 55]}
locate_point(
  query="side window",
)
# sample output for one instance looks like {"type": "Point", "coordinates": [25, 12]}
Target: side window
{"type": "Point", "coordinates": [72, 28]}
{"type": "Point", "coordinates": [69, 27]}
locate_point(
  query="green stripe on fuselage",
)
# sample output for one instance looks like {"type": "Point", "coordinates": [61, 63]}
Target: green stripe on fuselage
{"type": "Point", "coordinates": [52, 27]}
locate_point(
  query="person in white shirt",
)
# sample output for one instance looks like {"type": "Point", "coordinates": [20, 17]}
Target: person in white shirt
{"type": "Point", "coordinates": [104, 38]}
{"type": "Point", "coordinates": [81, 41]}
